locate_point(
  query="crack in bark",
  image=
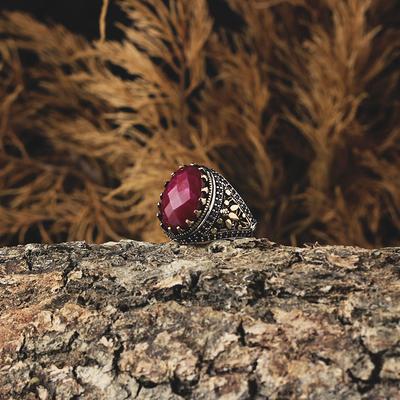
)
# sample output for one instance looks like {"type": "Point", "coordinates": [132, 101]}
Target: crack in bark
{"type": "Point", "coordinates": [27, 257]}
{"type": "Point", "coordinates": [256, 288]}
{"type": "Point", "coordinates": [71, 340]}
{"type": "Point", "coordinates": [253, 388]}
{"type": "Point", "coordinates": [22, 353]}
{"type": "Point", "coordinates": [72, 264]}
{"type": "Point", "coordinates": [194, 280]}
{"type": "Point", "coordinates": [179, 388]}
{"type": "Point", "coordinates": [241, 333]}
{"type": "Point", "coordinates": [140, 386]}
{"type": "Point", "coordinates": [374, 379]}
{"type": "Point", "coordinates": [117, 356]}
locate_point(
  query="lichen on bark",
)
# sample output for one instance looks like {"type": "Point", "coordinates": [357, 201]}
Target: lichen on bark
{"type": "Point", "coordinates": [242, 319]}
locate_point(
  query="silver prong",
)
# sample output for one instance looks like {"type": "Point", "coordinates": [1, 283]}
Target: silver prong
{"type": "Point", "coordinates": [179, 229]}
{"type": "Point", "coordinates": [204, 177]}
{"type": "Point", "coordinates": [169, 229]}
{"type": "Point", "coordinates": [205, 189]}
{"type": "Point", "coordinates": [203, 201]}
{"type": "Point", "coordinates": [197, 213]}
{"type": "Point", "coordinates": [189, 222]}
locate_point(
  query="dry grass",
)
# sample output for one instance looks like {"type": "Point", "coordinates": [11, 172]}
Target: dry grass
{"type": "Point", "coordinates": [298, 107]}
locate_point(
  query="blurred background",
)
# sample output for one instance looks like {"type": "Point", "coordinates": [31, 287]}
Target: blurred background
{"type": "Point", "coordinates": [296, 102]}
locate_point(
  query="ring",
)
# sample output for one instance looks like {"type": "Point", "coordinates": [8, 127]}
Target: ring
{"type": "Point", "coordinates": [199, 205]}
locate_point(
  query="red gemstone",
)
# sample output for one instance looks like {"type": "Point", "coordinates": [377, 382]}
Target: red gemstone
{"type": "Point", "coordinates": [180, 198]}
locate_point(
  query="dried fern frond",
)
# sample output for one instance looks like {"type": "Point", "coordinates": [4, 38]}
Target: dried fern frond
{"type": "Point", "coordinates": [331, 90]}
{"type": "Point", "coordinates": [59, 155]}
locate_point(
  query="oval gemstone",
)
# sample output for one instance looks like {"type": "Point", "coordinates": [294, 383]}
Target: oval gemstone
{"type": "Point", "coordinates": [181, 198]}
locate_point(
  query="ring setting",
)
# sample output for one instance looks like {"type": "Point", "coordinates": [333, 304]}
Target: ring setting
{"type": "Point", "coordinates": [199, 205]}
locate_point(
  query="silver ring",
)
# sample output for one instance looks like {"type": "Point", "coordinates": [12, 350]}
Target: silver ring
{"type": "Point", "coordinates": [199, 205]}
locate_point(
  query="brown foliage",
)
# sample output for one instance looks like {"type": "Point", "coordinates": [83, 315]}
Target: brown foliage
{"type": "Point", "coordinates": [298, 105]}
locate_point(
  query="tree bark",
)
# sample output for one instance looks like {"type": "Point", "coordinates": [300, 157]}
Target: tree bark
{"type": "Point", "coordinates": [243, 319]}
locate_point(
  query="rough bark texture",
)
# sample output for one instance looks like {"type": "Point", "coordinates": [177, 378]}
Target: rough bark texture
{"type": "Point", "coordinates": [244, 319]}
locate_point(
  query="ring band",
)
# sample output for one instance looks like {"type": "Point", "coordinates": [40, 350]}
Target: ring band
{"type": "Point", "coordinates": [199, 205]}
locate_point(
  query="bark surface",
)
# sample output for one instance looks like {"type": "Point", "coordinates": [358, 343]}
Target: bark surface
{"type": "Point", "coordinates": [243, 319]}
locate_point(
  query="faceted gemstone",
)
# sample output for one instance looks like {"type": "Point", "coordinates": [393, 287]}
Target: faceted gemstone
{"type": "Point", "coordinates": [181, 197]}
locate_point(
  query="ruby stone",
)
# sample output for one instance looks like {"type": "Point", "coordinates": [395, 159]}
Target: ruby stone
{"type": "Point", "coordinates": [181, 198]}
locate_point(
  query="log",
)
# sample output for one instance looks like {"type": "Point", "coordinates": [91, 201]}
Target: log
{"type": "Point", "coordinates": [240, 319]}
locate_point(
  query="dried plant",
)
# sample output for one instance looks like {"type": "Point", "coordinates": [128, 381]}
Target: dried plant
{"type": "Point", "coordinates": [297, 104]}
